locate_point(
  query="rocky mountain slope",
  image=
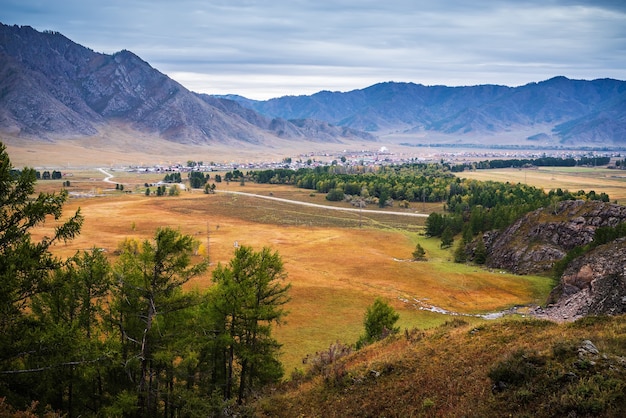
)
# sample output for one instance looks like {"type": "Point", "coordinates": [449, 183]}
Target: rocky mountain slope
{"type": "Point", "coordinates": [533, 243]}
{"type": "Point", "coordinates": [51, 87]}
{"type": "Point", "coordinates": [592, 284]}
{"type": "Point", "coordinates": [559, 110]}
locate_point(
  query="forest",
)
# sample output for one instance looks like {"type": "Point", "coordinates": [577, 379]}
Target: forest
{"type": "Point", "coordinates": [84, 336]}
{"type": "Point", "coordinates": [479, 205]}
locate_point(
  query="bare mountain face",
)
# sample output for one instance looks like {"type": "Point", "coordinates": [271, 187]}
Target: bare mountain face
{"type": "Point", "coordinates": [559, 110]}
{"type": "Point", "coordinates": [51, 87]}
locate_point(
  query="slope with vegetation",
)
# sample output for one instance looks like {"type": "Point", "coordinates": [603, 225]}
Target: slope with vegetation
{"type": "Point", "coordinates": [518, 367]}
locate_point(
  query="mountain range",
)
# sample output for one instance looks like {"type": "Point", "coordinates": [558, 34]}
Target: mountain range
{"type": "Point", "coordinates": [558, 110]}
{"type": "Point", "coordinates": [52, 87]}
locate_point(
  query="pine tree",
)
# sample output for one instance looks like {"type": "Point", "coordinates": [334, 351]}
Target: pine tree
{"type": "Point", "coordinates": [149, 292]}
{"type": "Point", "coordinates": [379, 322]}
{"type": "Point", "coordinates": [480, 252]}
{"type": "Point", "coordinates": [419, 254]}
{"type": "Point", "coordinates": [249, 299]}
{"type": "Point", "coordinates": [447, 238]}
{"type": "Point", "coordinates": [25, 266]}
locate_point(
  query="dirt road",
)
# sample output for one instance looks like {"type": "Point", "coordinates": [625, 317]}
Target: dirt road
{"type": "Point", "coordinates": [315, 205]}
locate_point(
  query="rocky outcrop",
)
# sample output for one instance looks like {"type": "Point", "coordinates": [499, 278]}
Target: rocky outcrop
{"type": "Point", "coordinates": [536, 241]}
{"type": "Point", "coordinates": [594, 284]}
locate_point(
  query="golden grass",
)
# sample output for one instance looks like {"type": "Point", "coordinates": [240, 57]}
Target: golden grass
{"type": "Point", "coordinates": [612, 182]}
{"type": "Point", "coordinates": [336, 268]}
{"type": "Point", "coordinates": [445, 372]}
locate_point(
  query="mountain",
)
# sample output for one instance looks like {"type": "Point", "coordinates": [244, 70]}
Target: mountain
{"type": "Point", "coordinates": [571, 112]}
{"type": "Point", "coordinates": [51, 87]}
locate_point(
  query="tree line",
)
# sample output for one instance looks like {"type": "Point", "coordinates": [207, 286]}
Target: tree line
{"type": "Point", "coordinates": [411, 182]}
{"type": "Point", "coordinates": [469, 206]}
{"type": "Point", "coordinates": [533, 162]}
{"type": "Point", "coordinates": [39, 175]}
{"type": "Point", "coordinates": [87, 337]}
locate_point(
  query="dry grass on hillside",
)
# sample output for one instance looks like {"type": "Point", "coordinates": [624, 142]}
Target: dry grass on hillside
{"type": "Point", "coordinates": [445, 372]}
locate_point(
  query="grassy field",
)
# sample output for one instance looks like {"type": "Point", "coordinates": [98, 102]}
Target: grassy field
{"type": "Point", "coordinates": [610, 181]}
{"type": "Point", "coordinates": [337, 262]}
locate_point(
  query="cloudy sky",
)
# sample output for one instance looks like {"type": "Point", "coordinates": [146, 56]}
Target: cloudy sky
{"type": "Point", "coordinates": [270, 48]}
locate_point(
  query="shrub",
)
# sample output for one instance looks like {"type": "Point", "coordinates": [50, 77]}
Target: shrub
{"type": "Point", "coordinates": [380, 320]}
{"type": "Point", "coordinates": [335, 195]}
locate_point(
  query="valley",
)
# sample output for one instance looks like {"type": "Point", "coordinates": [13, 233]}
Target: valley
{"type": "Point", "coordinates": [193, 208]}
{"type": "Point", "coordinates": [338, 262]}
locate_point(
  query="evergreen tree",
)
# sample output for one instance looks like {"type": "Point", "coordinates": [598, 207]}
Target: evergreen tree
{"type": "Point", "coordinates": [379, 322]}
{"type": "Point", "coordinates": [480, 252]}
{"type": "Point", "coordinates": [419, 253]}
{"type": "Point", "coordinates": [70, 319]}
{"type": "Point", "coordinates": [249, 299]}
{"type": "Point", "coordinates": [25, 268]}
{"type": "Point", "coordinates": [434, 225]}
{"type": "Point", "coordinates": [148, 293]}
{"type": "Point", "coordinates": [447, 238]}
{"type": "Point", "coordinates": [460, 256]}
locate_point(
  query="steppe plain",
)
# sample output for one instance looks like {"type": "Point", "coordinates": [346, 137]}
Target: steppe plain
{"type": "Point", "coordinates": [337, 262]}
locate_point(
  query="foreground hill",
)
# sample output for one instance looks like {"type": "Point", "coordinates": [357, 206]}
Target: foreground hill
{"type": "Point", "coordinates": [555, 111]}
{"type": "Point", "coordinates": [511, 368]}
{"type": "Point", "coordinates": [54, 88]}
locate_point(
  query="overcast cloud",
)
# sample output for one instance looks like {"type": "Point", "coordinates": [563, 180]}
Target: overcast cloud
{"type": "Point", "coordinates": [271, 48]}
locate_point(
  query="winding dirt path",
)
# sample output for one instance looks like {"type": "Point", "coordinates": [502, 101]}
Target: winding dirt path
{"type": "Point", "coordinates": [108, 176]}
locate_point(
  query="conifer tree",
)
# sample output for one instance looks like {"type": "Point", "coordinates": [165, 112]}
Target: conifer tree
{"type": "Point", "coordinates": [25, 267]}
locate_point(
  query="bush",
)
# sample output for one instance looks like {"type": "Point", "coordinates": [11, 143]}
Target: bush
{"type": "Point", "coordinates": [380, 320]}
{"type": "Point", "coordinates": [335, 195]}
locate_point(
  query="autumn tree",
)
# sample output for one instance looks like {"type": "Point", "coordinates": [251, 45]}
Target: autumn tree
{"type": "Point", "coordinates": [25, 266]}
{"type": "Point", "coordinates": [249, 299]}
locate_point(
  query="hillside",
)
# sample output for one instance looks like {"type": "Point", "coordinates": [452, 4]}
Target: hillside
{"type": "Point", "coordinates": [511, 368]}
{"type": "Point", "coordinates": [514, 367]}
{"type": "Point", "coordinates": [558, 111]}
{"type": "Point", "coordinates": [536, 241]}
{"type": "Point", "coordinates": [54, 88]}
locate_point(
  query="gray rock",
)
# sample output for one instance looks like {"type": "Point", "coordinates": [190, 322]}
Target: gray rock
{"type": "Point", "coordinates": [536, 241]}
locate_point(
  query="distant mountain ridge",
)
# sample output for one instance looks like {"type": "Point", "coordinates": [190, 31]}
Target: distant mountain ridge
{"type": "Point", "coordinates": [573, 112]}
{"type": "Point", "coordinates": [51, 87]}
